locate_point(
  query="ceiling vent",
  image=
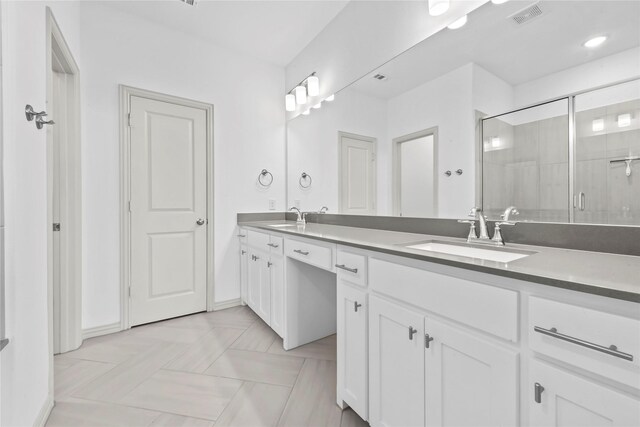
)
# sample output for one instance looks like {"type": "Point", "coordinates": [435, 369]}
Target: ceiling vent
{"type": "Point", "coordinates": [189, 2]}
{"type": "Point", "coordinates": [527, 14]}
{"type": "Point", "coordinates": [380, 77]}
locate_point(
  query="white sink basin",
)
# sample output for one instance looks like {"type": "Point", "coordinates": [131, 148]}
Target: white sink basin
{"type": "Point", "coordinates": [489, 254]}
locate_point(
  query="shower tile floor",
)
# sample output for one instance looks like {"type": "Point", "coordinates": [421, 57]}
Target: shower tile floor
{"type": "Point", "coordinates": [225, 368]}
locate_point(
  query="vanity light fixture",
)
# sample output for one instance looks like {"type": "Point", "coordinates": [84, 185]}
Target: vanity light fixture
{"type": "Point", "coordinates": [458, 23]}
{"type": "Point", "coordinates": [499, 1]}
{"type": "Point", "coordinates": [301, 95]}
{"type": "Point", "coordinates": [330, 97]}
{"type": "Point", "coordinates": [595, 41]}
{"type": "Point", "coordinates": [438, 7]}
{"type": "Point", "coordinates": [290, 102]}
{"type": "Point", "coordinates": [313, 85]}
{"type": "Point", "coordinates": [597, 125]}
{"type": "Point", "coordinates": [624, 120]}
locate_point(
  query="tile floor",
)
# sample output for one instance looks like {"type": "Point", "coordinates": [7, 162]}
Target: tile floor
{"type": "Point", "coordinates": [226, 368]}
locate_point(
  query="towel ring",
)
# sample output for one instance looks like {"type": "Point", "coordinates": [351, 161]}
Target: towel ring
{"type": "Point", "coordinates": [305, 177]}
{"type": "Point", "coordinates": [263, 176]}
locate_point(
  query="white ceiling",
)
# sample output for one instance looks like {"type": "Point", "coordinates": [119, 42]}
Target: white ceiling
{"type": "Point", "coordinates": [275, 31]}
{"type": "Point", "coordinates": [516, 53]}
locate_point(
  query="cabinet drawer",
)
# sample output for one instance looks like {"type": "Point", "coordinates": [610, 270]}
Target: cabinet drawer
{"type": "Point", "coordinates": [351, 267]}
{"type": "Point", "coordinates": [584, 337]}
{"type": "Point", "coordinates": [317, 254]}
{"type": "Point", "coordinates": [275, 245]}
{"type": "Point", "coordinates": [258, 240]}
{"type": "Point", "coordinates": [488, 308]}
{"type": "Point", "coordinates": [242, 235]}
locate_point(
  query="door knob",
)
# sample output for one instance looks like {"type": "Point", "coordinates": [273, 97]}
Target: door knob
{"type": "Point", "coordinates": [200, 221]}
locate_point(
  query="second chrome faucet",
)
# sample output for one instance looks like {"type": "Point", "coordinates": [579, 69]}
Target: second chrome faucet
{"type": "Point", "coordinates": [483, 237]}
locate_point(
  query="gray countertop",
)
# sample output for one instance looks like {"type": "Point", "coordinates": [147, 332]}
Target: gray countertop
{"type": "Point", "coordinates": [613, 276]}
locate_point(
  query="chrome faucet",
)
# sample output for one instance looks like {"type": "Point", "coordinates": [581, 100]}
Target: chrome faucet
{"type": "Point", "coordinates": [301, 216]}
{"type": "Point", "coordinates": [497, 238]}
{"type": "Point", "coordinates": [511, 210]}
{"type": "Point", "coordinates": [323, 209]}
{"type": "Point", "coordinates": [476, 213]}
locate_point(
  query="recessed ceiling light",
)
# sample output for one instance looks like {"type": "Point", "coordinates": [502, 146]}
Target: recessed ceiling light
{"type": "Point", "coordinates": [499, 1]}
{"type": "Point", "coordinates": [458, 23]}
{"type": "Point", "coordinates": [595, 42]}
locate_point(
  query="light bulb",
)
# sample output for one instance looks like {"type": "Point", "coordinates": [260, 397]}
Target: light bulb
{"type": "Point", "coordinates": [313, 85]}
{"type": "Point", "coordinates": [290, 102]}
{"type": "Point", "coordinates": [595, 42]}
{"type": "Point", "coordinates": [458, 23]}
{"type": "Point", "coordinates": [597, 125]}
{"type": "Point", "coordinates": [438, 7]}
{"type": "Point", "coordinates": [318, 105]}
{"type": "Point", "coordinates": [624, 120]}
{"type": "Point", "coordinates": [330, 97]}
{"type": "Point", "coordinates": [301, 95]}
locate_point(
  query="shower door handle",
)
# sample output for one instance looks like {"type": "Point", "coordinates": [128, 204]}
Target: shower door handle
{"type": "Point", "coordinates": [581, 201]}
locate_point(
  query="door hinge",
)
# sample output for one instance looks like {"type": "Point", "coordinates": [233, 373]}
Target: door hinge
{"type": "Point", "coordinates": [129, 119]}
{"type": "Point", "coordinates": [129, 291]}
{"type": "Point", "coordinates": [373, 157]}
{"type": "Point", "coordinates": [129, 205]}
{"type": "Point", "coordinates": [56, 226]}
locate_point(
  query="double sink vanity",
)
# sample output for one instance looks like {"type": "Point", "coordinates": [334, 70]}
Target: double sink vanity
{"type": "Point", "coordinates": [428, 324]}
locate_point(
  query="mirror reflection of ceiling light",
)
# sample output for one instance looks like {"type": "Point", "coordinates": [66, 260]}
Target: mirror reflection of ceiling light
{"type": "Point", "coordinates": [290, 102]}
{"type": "Point", "coordinates": [624, 120]}
{"type": "Point", "coordinates": [318, 105]}
{"type": "Point", "coordinates": [595, 42]}
{"type": "Point", "coordinates": [330, 97]}
{"type": "Point", "coordinates": [495, 142]}
{"type": "Point", "coordinates": [499, 1]}
{"type": "Point", "coordinates": [458, 23]}
{"type": "Point", "coordinates": [597, 125]}
{"type": "Point", "coordinates": [438, 7]}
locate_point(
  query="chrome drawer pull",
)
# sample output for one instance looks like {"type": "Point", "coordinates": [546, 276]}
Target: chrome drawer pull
{"type": "Point", "coordinates": [537, 392]}
{"type": "Point", "coordinates": [611, 350]}
{"type": "Point", "coordinates": [273, 245]}
{"type": "Point", "coordinates": [301, 252]}
{"type": "Point", "coordinates": [344, 267]}
{"type": "Point", "coordinates": [412, 332]}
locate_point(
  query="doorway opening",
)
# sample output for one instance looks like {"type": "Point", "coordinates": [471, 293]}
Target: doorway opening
{"type": "Point", "coordinates": [415, 181]}
{"type": "Point", "coordinates": [64, 192]}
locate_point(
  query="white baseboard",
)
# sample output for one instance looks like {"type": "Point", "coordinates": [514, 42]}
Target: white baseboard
{"type": "Point", "coordinates": [44, 413]}
{"type": "Point", "coordinates": [97, 331]}
{"type": "Point", "coordinates": [227, 304]}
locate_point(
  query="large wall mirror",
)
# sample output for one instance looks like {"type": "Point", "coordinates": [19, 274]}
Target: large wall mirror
{"type": "Point", "coordinates": [510, 109]}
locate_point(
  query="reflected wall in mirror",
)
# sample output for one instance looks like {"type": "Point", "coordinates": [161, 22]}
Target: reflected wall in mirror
{"type": "Point", "coordinates": [503, 59]}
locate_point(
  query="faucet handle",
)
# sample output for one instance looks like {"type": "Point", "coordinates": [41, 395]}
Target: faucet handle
{"type": "Point", "coordinates": [467, 221]}
{"type": "Point", "coordinates": [501, 223]}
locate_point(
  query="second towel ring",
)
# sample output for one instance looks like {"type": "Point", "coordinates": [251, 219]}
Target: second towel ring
{"type": "Point", "coordinates": [305, 177]}
{"type": "Point", "coordinates": [265, 178]}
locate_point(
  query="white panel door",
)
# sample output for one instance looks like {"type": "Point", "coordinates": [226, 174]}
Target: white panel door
{"type": "Point", "coordinates": [357, 175]}
{"type": "Point", "coordinates": [168, 210]}
{"type": "Point", "coordinates": [396, 357]}
{"type": "Point", "coordinates": [352, 349]}
{"type": "Point", "coordinates": [276, 273]}
{"type": "Point", "coordinates": [567, 400]}
{"type": "Point", "coordinates": [470, 381]}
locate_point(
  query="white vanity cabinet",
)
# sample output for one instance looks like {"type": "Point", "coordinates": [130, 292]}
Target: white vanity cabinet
{"type": "Point", "coordinates": [560, 398]}
{"type": "Point", "coordinates": [244, 265]}
{"type": "Point", "coordinates": [352, 347]}
{"type": "Point", "coordinates": [265, 278]}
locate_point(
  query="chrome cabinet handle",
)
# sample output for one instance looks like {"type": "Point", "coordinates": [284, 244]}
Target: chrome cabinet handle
{"type": "Point", "coordinates": [243, 252]}
{"type": "Point", "coordinates": [344, 267]}
{"type": "Point", "coordinates": [269, 264]}
{"type": "Point", "coordinates": [273, 245]}
{"type": "Point", "coordinates": [200, 221]}
{"type": "Point", "coordinates": [612, 350]}
{"type": "Point", "coordinates": [537, 392]}
{"type": "Point", "coordinates": [412, 332]}
{"type": "Point", "coordinates": [255, 258]}
{"type": "Point", "coordinates": [356, 305]}
{"type": "Point", "coordinates": [301, 252]}
{"type": "Point", "coordinates": [427, 339]}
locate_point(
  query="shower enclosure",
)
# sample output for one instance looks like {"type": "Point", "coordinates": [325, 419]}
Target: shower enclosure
{"type": "Point", "coordinates": [575, 159]}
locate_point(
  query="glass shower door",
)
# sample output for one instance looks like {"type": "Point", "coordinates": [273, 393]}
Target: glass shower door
{"type": "Point", "coordinates": [606, 187]}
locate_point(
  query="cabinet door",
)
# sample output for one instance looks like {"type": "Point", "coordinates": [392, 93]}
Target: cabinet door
{"type": "Point", "coordinates": [276, 270]}
{"type": "Point", "coordinates": [570, 400]}
{"type": "Point", "coordinates": [352, 349]}
{"type": "Point", "coordinates": [264, 301]}
{"type": "Point", "coordinates": [470, 381]}
{"type": "Point", "coordinates": [253, 281]}
{"type": "Point", "coordinates": [396, 371]}
{"type": "Point", "coordinates": [244, 279]}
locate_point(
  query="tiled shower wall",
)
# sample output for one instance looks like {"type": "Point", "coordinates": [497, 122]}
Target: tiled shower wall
{"type": "Point", "coordinates": [527, 166]}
